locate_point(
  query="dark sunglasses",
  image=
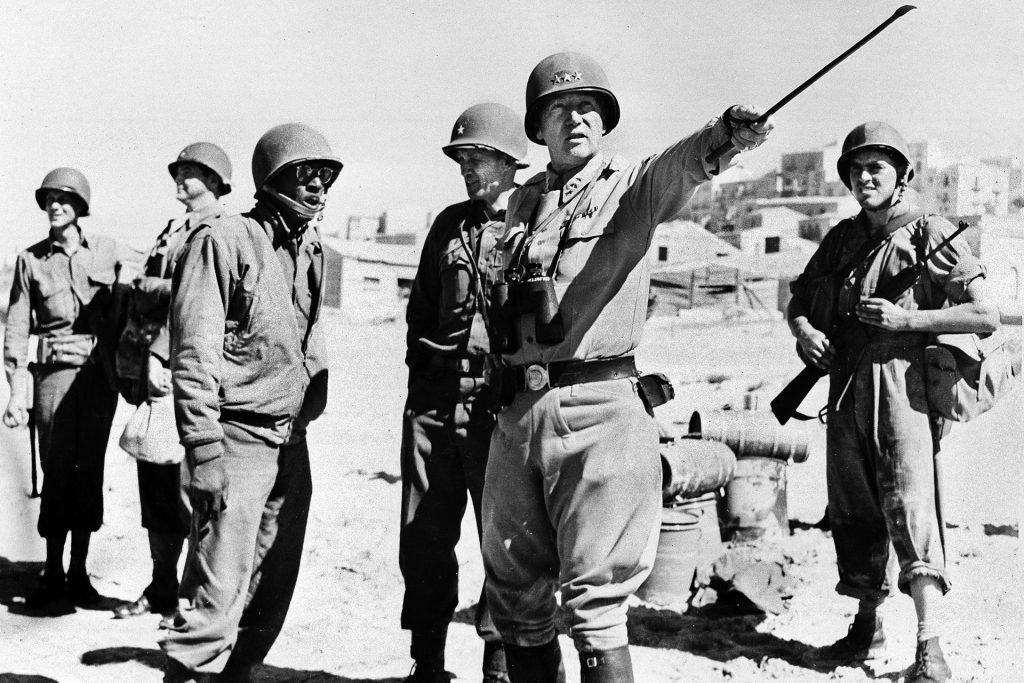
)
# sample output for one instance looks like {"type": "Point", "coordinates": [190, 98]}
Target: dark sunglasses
{"type": "Point", "coordinates": [305, 173]}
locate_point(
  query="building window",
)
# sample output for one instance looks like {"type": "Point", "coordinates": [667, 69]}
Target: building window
{"type": "Point", "coordinates": [663, 253]}
{"type": "Point", "coordinates": [772, 245]}
{"type": "Point", "coordinates": [371, 284]}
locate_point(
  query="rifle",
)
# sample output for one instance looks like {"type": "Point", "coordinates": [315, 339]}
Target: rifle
{"type": "Point", "coordinates": [784, 406]}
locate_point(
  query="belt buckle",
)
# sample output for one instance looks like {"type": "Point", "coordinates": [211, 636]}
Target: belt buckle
{"type": "Point", "coordinates": [536, 377]}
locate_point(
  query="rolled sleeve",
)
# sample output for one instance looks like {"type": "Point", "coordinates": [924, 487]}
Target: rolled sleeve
{"type": "Point", "coordinates": [953, 267]}
{"type": "Point", "coordinates": [200, 291]}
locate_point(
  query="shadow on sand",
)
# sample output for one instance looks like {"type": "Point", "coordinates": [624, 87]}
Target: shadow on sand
{"type": "Point", "coordinates": [18, 580]}
{"type": "Point", "coordinates": [154, 659]}
{"type": "Point", "coordinates": [722, 631]}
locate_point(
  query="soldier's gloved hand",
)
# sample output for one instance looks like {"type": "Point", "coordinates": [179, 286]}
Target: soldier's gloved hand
{"type": "Point", "coordinates": [158, 378]}
{"type": "Point", "coordinates": [208, 487]}
{"type": "Point", "coordinates": [743, 132]}
{"type": "Point", "coordinates": [16, 414]}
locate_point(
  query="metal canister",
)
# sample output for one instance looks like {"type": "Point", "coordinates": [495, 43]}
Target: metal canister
{"type": "Point", "coordinates": [751, 434]}
{"type": "Point", "coordinates": [693, 467]}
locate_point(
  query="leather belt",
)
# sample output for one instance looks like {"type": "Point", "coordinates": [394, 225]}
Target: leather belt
{"type": "Point", "coordinates": [538, 376]}
{"type": "Point", "coordinates": [468, 366]}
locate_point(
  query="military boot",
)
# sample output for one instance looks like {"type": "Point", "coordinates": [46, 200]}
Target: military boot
{"type": "Point", "coordinates": [929, 664]}
{"type": "Point", "coordinates": [864, 641]}
{"type": "Point", "coordinates": [495, 667]}
{"type": "Point", "coordinates": [427, 650]}
{"type": "Point", "coordinates": [606, 666]}
{"type": "Point", "coordinates": [539, 664]}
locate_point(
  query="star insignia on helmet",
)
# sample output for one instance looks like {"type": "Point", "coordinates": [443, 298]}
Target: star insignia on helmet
{"type": "Point", "coordinates": [576, 76]}
{"type": "Point", "coordinates": [462, 128]}
{"type": "Point", "coordinates": [556, 79]}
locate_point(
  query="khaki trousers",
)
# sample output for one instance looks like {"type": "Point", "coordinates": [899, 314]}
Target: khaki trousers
{"type": "Point", "coordinates": [572, 502]}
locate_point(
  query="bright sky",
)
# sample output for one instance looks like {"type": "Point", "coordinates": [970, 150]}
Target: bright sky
{"type": "Point", "coordinates": [116, 89]}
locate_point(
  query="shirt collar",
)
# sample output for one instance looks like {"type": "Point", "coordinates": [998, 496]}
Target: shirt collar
{"type": "Point", "coordinates": [55, 246]}
{"type": "Point", "coordinates": [481, 212]}
{"type": "Point", "coordinates": [573, 184]}
{"type": "Point", "coordinates": [200, 216]}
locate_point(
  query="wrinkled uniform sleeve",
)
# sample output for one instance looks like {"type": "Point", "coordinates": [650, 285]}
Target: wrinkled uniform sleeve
{"type": "Point", "coordinates": [424, 302]}
{"type": "Point", "coordinates": [19, 320]}
{"type": "Point", "coordinates": [821, 263]}
{"type": "Point", "coordinates": [200, 291]}
{"type": "Point", "coordinates": [953, 268]}
{"type": "Point", "coordinates": [156, 293]}
{"type": "Point", "coordinates": [665, 182]}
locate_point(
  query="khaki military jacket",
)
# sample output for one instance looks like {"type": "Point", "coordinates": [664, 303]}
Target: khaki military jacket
{"type": "Point", "coordinates": [610, 209]}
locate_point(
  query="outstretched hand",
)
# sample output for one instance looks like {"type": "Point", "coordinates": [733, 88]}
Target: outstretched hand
{"type": "Point", "coordinates": [746, 134]}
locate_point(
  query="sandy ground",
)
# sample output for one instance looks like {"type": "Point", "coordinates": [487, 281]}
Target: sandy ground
{"type": "Point", "coordinates": [343, 624]}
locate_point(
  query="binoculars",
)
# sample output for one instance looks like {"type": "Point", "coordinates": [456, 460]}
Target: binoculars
{"type": "Point", "coordinates": [531, 293]}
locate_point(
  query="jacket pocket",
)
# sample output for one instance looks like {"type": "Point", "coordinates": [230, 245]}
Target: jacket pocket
{"type": "Point", "coordinates": [591, 251]}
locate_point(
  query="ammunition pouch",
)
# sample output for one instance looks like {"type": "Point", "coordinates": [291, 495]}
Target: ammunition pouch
{"type": "Point", "coordinates": [70, 350]}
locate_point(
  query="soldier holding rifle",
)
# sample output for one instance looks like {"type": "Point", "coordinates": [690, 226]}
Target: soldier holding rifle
{"type": "Point", "coordinates": [881, 440]}
{"type": "Point", "coordinates": [572, 494]}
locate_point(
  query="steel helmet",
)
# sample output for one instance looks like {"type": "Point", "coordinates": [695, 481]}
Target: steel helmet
{"type": "Point", "coordinates": [567, 72]}
{"type": "Point", "coordinates": [876, 134]}
{"type": "Point", "coordinates": [209, 156]}
{"type": "Point", "coordinates": [489, 125]}
{"type": "Point", "coordinates": [286, 144]}
{"type": "Point", "coordinates": [67, 179]}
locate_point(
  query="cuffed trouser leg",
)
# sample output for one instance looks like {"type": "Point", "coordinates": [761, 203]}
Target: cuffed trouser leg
{"type": "Point", "coordinates": [572, 500]}
{"type": "Point", "coordinates": [221, 555]}
{"type": "Point", "coordinates": [278, 557]}
{"type": "Point", "coordinates": [881, 476]}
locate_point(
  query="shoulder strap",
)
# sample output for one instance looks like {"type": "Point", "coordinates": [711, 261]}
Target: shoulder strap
{"type": "Point", "coordinates": [869, 245]}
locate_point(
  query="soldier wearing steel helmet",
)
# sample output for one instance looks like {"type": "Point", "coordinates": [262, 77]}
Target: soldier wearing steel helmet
{"type": "Point", "coordinates": [249, 373]}
{"type": "Point", "coordinates": [63, 293]}
{"type": "Point", "coordinates": [449, 413]}
{"type": "Point", "coordinates": [202, 175]}
{"type": "Point", "coordinates": [572, 494]}
{"type": "Point", "coordinates": [881, 441]}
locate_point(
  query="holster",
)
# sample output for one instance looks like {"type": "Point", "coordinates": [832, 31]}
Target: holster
{"type": "Point", "coordinates": [655, 389]}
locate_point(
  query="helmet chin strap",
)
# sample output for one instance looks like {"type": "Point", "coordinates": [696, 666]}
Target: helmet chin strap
{"type": "Point", "coordinates": [293, 210]}
{"type": "Point", "coordinates": [897, 195]}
